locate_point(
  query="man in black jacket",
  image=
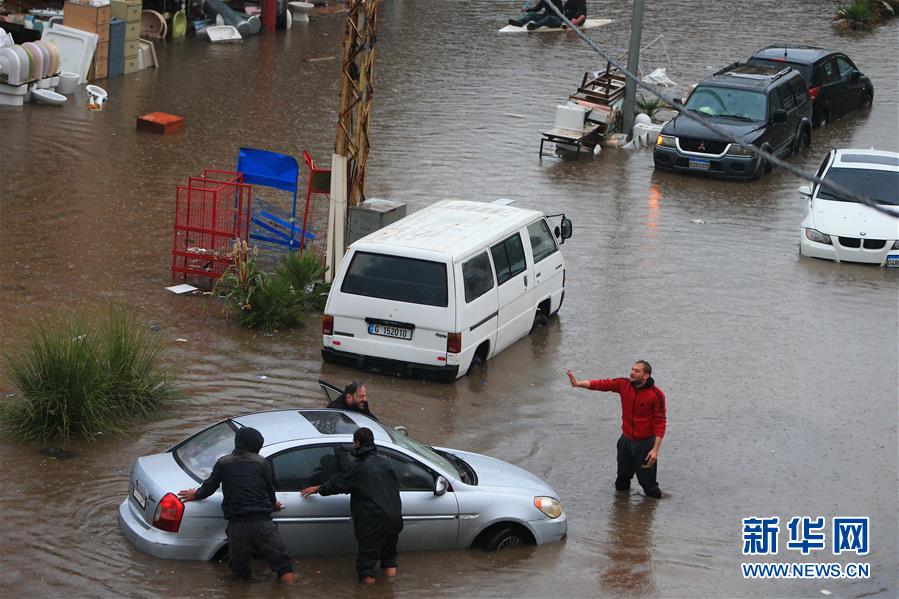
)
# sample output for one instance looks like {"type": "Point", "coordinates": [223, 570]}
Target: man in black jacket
{"type": "Point", "coordinates": [248, 501]}
{"type": "Point", "coordinates": [354, 399]}
{"type": "Point", "coordinates": [374, 503]}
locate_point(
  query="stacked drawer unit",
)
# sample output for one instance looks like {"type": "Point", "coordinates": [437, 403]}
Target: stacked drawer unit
{"type": "Point", "coordinates": [94, 19]}
{"type": "Point", "coordinates": [129, 11]}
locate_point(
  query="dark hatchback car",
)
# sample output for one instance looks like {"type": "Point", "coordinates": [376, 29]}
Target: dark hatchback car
{"type": "Point", "coordinates": [836, 85]}
{"type": "Point", "coordinates": [761, 106]}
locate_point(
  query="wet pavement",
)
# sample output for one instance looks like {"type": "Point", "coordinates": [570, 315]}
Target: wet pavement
{"type": "Point", "coordinates": [781, 372]}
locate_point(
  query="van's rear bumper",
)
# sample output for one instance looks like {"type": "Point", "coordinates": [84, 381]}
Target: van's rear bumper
{"type": "Point", "coordinates": [389, 366]}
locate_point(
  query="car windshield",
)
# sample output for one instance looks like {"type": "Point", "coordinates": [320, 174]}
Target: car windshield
{"type": "Point", "coordinates": [716, 101]}
{"type": "Point", "coordinates": [804, 69]}
{"type": "Point", "coordinates": [198, 454]}
{"type": "Point", "coordinates": [423, 451]}
{"type": "Point", "coordinates": [880, 186]}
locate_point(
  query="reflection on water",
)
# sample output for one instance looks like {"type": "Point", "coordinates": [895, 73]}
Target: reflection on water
{"type": "Point", "coordinates": [775, 366]}
{"type": "Point", "coordinates": [630, 547]}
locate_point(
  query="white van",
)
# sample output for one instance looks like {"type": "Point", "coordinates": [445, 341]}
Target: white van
{"type": "Point", "coordinates": [443, 289]}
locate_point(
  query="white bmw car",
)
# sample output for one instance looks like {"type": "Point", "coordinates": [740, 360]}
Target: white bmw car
{"type": "Point", "coordinates": [841, 229]}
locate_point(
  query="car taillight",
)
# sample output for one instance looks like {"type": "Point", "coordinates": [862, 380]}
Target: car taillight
{"type": "Point", "coordinates": [168, 513]}
{"type": "Point", "coordinates": [813, 92]}
{"type": "Point", "coordinates": [454, 343]}
{"type": "Point", "coordinates": [327, 325]}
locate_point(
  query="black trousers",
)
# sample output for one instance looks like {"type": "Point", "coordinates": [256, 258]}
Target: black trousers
{"type": "Point", "coordinates": [631, 458]}
{"type": "Point", "coordinates": [258, 537]}
{"type": "Point", "coordinates": [377, 538]}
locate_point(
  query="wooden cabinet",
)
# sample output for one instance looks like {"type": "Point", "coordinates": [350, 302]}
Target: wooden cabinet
{"type": "Point", "coordinates": [93, 19]}
{"type": "Point", "coordinates": [130, 11]}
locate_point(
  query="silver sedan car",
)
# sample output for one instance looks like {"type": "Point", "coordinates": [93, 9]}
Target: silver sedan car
{"type": "Point", "coordinates": [451, 499]}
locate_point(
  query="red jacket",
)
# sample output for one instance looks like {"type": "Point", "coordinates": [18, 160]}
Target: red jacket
{"type": "Point", "coordinates": [643, 412]}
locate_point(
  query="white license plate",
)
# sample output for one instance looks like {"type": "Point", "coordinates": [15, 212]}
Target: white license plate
{"type": "Point", "coordinates": [700, 165]}
{"type": "Point", "coordinates": [385, 330]}
{"type": "Point", "coordinates": [893, 261]}
{"type": "Point", "coordinates": [140, 494]}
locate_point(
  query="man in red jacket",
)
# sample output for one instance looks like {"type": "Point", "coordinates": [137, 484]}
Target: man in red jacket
{"type": "Point", "coordinates": [643, 420]}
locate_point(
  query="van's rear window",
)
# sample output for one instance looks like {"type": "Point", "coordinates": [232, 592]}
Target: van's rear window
{"type": "Point", "coordinates": [397, 278]}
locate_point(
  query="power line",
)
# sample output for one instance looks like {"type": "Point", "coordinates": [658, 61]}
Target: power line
{"type": "Point", "coordinates": [711, 126]}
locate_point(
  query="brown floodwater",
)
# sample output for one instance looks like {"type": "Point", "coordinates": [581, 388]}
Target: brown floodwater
{"type": "Point", "coordinates": [780, 371]}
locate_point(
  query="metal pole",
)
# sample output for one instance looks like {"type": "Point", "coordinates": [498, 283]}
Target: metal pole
{"type": "Point", "coordinates": [633, 65]}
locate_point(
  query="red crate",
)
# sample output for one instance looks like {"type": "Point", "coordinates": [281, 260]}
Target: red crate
{"type": "Point", "coordinates": [211, 213]}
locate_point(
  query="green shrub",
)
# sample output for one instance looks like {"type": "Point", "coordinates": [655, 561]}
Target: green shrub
{"type": "Point", "coordinates": [857, 15]}
{"type": "Point", "coordinates": [650, 106]}
{"type": "Point", "coordinates": [79, 380]}
{"type": "Point", "coordinates": [272, 301]}
{"type": "Point", "coordinates": [306, 273]}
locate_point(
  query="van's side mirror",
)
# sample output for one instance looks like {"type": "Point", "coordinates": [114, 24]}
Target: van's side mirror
{"type": "Point", "coordinates": [805, 190]}
{"type": "Point", "coordinates": [402, 430]}
{"type": "Point", "coordinates": [566, 228]}
{"type": "Point", "coordinates": [779, 116]}
{"type": "Point", "coordinates": [440, 486]}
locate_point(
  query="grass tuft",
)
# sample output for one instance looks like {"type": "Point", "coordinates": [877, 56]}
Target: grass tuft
{"type": "Point", "coordinates": [75, 379]}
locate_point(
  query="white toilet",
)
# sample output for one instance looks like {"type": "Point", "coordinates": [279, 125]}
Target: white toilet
{"type": "Point", "coordinates": [300, 11]}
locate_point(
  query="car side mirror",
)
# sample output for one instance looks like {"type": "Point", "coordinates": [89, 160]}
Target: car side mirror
{"type": "Point", "coordinates": [566, 228]}
{"type": "Point", "coordinates": [805, 190]}
{"type": "Point", "coordinates": [855, 75]}
{"type": "Point", "coordinates": [779, 116]}
{"type": "Point", "coordinates": [440, 486]}
{"type": "Point", "coordinates": [402, 430]}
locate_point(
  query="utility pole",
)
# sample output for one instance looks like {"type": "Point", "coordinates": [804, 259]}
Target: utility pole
{"type": "Point", "coordinates": [633, 65]}
{"type": "Point", "coordinates": [350, 159]}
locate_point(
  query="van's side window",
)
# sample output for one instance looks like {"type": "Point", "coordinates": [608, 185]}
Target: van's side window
{"type": "Point", "coordinates": [478, 277]}
{"type": "Point", "coordinates": [508, 258]}
{"type": "Point", "coordinates": [542, 242]}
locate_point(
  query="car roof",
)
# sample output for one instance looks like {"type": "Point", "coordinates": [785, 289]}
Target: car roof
{"type": "Point", "coordinates": [749, 76]}
{"type": "Point", "coordinates": [279, 426]}
{"type": "Point", "coordinates": [454, 228]}
{"type": "Point", "coordinates": [795, 53]}
{"type": "Point", "coordinates": [880, 160]}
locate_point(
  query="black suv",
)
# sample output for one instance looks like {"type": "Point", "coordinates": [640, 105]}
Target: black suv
{"type": "Point", "coordinates": [762, 106]}
{"type": "Point", "coordinates": [835, 84]}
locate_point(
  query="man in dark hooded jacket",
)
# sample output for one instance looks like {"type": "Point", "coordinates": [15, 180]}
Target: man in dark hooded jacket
{"type": "Point", "coordinates": [374, 503]}
{"type": "Point", "coordinates": [248, 501]}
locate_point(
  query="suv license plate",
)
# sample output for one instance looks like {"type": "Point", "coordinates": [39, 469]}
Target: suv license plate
{"type": "Point", "coordinates": [701, 165]}
{"type": "Point", "coordinates": [388, 331]}
{"type": "Point", "coordinates": [893, 261]}
{"type": "Point", "coordinates": [140, 494]}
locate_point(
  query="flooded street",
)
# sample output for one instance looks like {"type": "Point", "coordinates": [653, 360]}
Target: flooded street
{"type": "Point", "coordinates": [780, 371]}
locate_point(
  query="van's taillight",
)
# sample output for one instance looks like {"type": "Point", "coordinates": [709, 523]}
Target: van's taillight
{"type": "Point", "coordinates": [454, 343]}
{"type": "Point", "coordinates": [327, 325]}
{"type": "Point", "coordinates": [813, 92]}
{"type": "Point", "coordinates": [168, 513]}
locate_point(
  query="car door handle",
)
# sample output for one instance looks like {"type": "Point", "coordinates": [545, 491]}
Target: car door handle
{"type": "Point", "coordinates": [525, 281]}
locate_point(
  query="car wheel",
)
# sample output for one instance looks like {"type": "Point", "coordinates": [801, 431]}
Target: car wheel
{"type": "Point", "coordinates": [824, 117]}
{"type": "Point", "coordinates": [504, 538]}
{"type": "Point", "coordinates": [803, 141]}
{"type": "Point", "coordinates": [868, 100]}
{"type": "Point", "coordinates": [540, 320]}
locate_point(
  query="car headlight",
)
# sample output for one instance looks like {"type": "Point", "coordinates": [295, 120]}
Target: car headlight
{"type": "Point", "coordinates": [896, 245]}
{"type": "Point", "coordinates": [817, 236]}
{"type": "Point", "coordinates": [739, 150]}
{"type": "Point", "coordinates": [666, 141]}
{"type": "Point", "coordinates": [550, 506]}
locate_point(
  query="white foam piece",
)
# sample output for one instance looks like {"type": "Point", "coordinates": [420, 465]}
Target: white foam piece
{"type": "Point", "coordinates": [588, 24]}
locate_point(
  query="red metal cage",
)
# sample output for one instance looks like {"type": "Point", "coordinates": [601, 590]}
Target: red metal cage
{"type": "Point", "coordinates": [211, 213]}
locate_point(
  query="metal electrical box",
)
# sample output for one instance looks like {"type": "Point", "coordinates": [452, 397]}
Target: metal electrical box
{"type": "Point", "coordinates": [371, 215]}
